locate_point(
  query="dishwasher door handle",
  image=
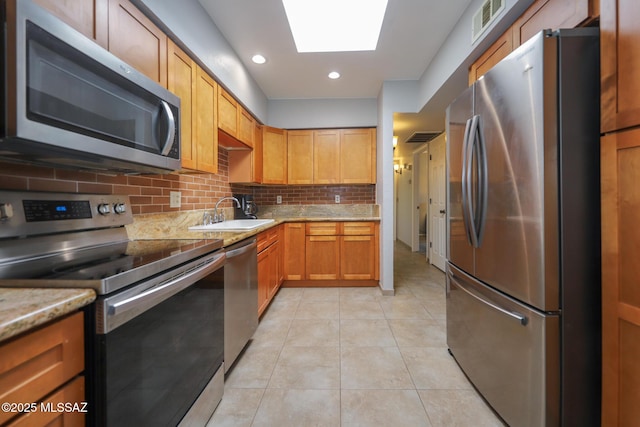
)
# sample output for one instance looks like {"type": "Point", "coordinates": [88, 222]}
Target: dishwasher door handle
{"type": "Point", "coordinates": [242, 250]}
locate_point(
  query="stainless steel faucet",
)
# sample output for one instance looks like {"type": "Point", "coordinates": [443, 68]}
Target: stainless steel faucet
{"type": "Point", "coordinates": [220, 217]}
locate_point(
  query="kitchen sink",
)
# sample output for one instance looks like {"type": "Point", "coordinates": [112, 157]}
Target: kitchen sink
{"type": "Point", "coordinates": [233, 225]}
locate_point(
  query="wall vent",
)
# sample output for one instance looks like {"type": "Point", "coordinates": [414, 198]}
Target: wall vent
{"type": "Point", "coordinates": [422, 137]}
{"type": "Point", "coordinates": [485, 16]}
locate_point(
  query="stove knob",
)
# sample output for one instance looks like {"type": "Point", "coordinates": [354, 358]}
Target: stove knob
{"type": "Point", "coordinates": [119, 208]}
{"type": "Point", "coordinates": [104, 209]}
{"type": "Point", "coordinates": [6, 211]}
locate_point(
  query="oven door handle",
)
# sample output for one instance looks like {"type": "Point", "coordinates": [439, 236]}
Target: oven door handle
{"type": "Point", "coordinates": [121, 311]}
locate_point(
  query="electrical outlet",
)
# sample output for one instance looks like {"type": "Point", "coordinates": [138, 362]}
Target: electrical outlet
{"type": "Point", "coordinates": [279, 200]}
{"type": "Point", "coordinates": [337, 198]}
{"type": "Point", "coordinates": [175, 199]}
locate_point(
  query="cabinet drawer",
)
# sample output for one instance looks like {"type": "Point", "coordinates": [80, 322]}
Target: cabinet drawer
{"type": "Point", "coordinates": [359, 228]}
{"type": "Point", "coordinates": [322, 229]}
{"type": "Point", "coordinates": [72, 393]}
{"type": "Point", "coordinates": [263, 241]}
{"type": "Point", "coordinates": [34, 365]}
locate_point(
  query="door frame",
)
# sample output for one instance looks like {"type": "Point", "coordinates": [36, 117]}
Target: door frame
{"type": "Point", "coordinates": [415, 198]}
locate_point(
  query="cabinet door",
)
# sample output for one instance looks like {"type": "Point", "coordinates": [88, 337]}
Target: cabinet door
{"type": "Point", "coordinates": [274, 156]}
{"type": "Point", "coordinates": [206, 128]}
{"type": "Point", "coordinates": [300, 157]}
{"type": "Point", "coordinates": [275, 269]}
{"type": "Point", "coordinates": [620, 62]}
{"type": "Point", "coordinates": [181, 80]}
{"type": "Point", "coordinates": [227, 113]}
{"type": "Point", "coordinates": [246, 127]}
{"type": "Point", "coordinates": [494, 54]}
{"type": "Point", "coordinates": [620, 168]}
{"type": "Point", "coordinates": [35, 364]}
{"type": "Point", "coordinates": [245, 166]}
{"type": "Point", "coordinates": [553, 14]}
{"type": "Point", "coordinates": [326, 156]}
{"type": "Point", "coordinates": [357, 257]}
{"type": "Point", "coordinates": [264, 273]}
{"type": "Point", "coordinates": [357, 156]}
{"type": "Point", "coordinates": [322, 258]}
{"type": "Point", "coordinates": [294, 251]}
{"type": "Point", "coordinates": [90, 17]}
{"type": "Point", "coordinates": [137, 41]}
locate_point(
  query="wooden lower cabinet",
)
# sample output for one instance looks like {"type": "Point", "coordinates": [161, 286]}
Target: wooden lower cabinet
{"type": "Point", "coordinates": [620, 168]}
{"type": "Point", "coordinates": [322, 258]}
{"type": "Point", "coordinates": [331, 254]}
{"type": "Point", "coordinates": [358, 258]}
{"type": "Point", "coordinates": [44, 366]}
{"type": "Point", "coordinates": [294, 251]}
{"type": "Point", "coordinates": [270, 266]}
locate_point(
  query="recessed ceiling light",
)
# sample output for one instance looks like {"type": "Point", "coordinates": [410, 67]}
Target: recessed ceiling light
{"type": "Point", "coordinates": [258, 59]}
{"type": "Point", "coordinates": [334, 75]}
{"type": "Point", "coordinates": [335, 25]}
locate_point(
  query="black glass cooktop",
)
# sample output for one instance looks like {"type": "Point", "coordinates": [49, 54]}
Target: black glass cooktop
{"type": "Point", "coordinates": [123, 263]}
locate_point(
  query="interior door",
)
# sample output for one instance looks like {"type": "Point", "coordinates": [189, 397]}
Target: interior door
{"type": "Point", "coordinates": [437, 196]}
{"type": "Point", "coordinates": [459, 249]}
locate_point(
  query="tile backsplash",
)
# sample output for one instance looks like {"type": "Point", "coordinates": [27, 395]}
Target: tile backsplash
{"type": "Point", "coordinates": [150, 193]}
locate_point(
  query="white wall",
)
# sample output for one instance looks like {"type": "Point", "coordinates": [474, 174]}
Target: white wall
{"type": "Point", "coordinates": [323, 113]}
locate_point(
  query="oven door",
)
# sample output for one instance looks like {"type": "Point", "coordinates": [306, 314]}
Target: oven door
{"type": "Point", "coordinates": [158, 346]}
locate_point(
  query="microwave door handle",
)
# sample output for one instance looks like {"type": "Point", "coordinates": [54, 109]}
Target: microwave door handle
{"type": "Point", "coordinates": [468, 179]}
{"type": "Point", "coordinates": [463, 181]}
{"type": "Point", "coordinates": [171, 129]}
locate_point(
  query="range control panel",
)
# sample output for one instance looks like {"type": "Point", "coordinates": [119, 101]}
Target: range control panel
{"type": "Point", "coordinates": [33, 213]}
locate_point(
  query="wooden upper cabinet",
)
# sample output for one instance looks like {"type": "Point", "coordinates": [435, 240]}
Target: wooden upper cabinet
{"type": "Point", "coordinates": [181, 80]}
{"type": "Point", "coordinates": [227, 113]}
{"type": "Point", "coordinates": [246, 127]}
{"type": "Point", "coordinates": [357, 156]}
{"type": "Point", "coordinates": [245, 166]}
{"type": "Point", "coordinates": [553, 14]}
{"type": "Point", "coordinates": [137, 41]}
{"type": "Point", "coordinates": [541, 15]}
{"type": "Point", "coordinates": [300, 156]}
{"type": "Point", "coordinates": [90, 17]}
{"type": "Point", "coordinates": [620, 62]}
{"type": "Point", "coordinates": [206, 133]}
{"type": "Point", "coordinates": [274, 155]}
{"type": "Point", "coordinates": [496, 52]}
{"type": "Point", "coordinates": [326, 156]}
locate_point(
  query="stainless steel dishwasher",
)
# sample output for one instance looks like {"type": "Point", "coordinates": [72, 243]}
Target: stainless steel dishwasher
{"type": "Point", "coordinates": [240, 298]}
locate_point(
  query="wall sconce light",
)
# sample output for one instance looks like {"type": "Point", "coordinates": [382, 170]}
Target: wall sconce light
{"type": "Point", "coordinates": [397, 168]}
{"type": "Point", "coordinates": [395, 142]}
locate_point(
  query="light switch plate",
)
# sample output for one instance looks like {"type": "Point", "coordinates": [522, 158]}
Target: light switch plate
{"type": "Point", "coordinates": [175, 199]}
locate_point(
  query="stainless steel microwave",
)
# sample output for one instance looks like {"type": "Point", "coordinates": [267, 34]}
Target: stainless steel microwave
{"type": "Point", "coordinates": [67, 102]}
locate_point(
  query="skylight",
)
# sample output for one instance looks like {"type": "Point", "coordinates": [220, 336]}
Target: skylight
{"type": "Point", "coordinates": [335, 25]}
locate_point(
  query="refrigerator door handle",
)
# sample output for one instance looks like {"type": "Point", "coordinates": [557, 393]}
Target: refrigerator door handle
{"type": "Point", "coordinates": [483, 179]}
{"type": "Point", "coordinates": [517, 316]}
{"type": "Point", "coordinates": [467, 217]}
{"type": "Point", "coordinates": [468, 181]}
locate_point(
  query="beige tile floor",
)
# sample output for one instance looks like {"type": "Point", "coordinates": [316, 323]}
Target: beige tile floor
{"type": "Point", "coordinates": [352, 357]}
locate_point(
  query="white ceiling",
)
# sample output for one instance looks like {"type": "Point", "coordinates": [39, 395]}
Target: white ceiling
{"type": "Point", "coordinates": [412, 33]}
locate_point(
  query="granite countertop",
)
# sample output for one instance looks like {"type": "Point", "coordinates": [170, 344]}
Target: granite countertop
{"type": "Point", "coordinates": [22, 309]}
{"type": "Point", "coordinates": [176, 225]}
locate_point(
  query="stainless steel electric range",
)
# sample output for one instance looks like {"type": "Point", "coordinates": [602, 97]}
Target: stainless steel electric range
{"type": "Point", "coordinates": [155, 339]}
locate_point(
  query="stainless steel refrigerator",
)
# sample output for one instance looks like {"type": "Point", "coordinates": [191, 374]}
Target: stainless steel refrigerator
{"type": "Point", "coordinates": [523, 225]}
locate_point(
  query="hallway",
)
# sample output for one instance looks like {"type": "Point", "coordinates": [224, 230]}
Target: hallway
{"type": "Point", "coordinates": [352, 357]}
